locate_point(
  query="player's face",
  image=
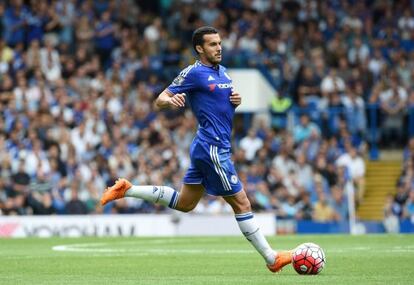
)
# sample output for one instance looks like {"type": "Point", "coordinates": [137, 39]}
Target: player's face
{"type": "Point", "coordinates": [211, 49]}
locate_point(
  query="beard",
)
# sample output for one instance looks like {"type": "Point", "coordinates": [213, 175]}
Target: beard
{"type": "Point", "coordinates": [213, 59]}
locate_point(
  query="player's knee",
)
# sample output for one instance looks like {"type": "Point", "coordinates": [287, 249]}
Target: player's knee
{"type": "Point", "coordinates": [245, 207]}
{"type": "Point", "coordinates": [186, 207]}
{"type": "Point", "coordinates": [242, 207]}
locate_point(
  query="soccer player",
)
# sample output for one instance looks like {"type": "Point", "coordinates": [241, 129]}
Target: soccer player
{"type": "Point", "coordinates": [209, 90]}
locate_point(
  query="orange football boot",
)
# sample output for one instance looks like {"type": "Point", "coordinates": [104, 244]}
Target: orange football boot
{"type": "Point", "coordinates": [116, 191]}
{"type": "Point", "coordinates": [282, 259]}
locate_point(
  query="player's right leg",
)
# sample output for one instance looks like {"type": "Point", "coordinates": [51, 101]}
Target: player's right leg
{"type": "Point", "coordinates": [250, 229]}
{"type": "Point", "coordinates": [190, 195]}
{"type": "Point", "coordinates": [184, 201]}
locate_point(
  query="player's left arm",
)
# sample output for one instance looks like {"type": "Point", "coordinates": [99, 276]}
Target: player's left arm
{"type": "Point", "coordinates": [235, 98]}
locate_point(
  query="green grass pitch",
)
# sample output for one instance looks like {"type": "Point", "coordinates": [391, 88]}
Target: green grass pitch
{"type": "Point", "coordinates": [370, 259]}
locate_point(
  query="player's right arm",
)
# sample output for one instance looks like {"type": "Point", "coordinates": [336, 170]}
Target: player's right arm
{"type": "Point", "coordinates": [174, 95]}
{"type": "Point", "coordinates": [167, 100]}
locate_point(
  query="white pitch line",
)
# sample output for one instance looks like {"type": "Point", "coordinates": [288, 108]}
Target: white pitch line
{"type": "Point", "coordinates": [73, 248]}
{"type": "Point", "coordinates": [84, 248]}
{"type": "Point", "coordinates": [105, 248]}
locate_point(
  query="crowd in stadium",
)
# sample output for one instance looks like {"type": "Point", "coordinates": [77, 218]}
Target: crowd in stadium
{"type": "Point", "coordinates": [78, 79]}
{"type": "Point", "coordinates": [401, 205]}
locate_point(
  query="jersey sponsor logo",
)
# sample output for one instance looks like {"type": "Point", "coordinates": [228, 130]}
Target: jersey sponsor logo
{"type": "Point", "coordinates": [210, 78]}
{"type": "Point", "coordinates": [178, 80]}
{"type": "Point", "coordinates": [221, 86]}
{"type": "Point", "coordinates": [225, 85]}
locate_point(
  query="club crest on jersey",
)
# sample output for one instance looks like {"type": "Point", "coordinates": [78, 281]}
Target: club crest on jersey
{"type": "Point", "coordinates": [234, 179]}
{"type": "Point", "coordinates": [220, 86]}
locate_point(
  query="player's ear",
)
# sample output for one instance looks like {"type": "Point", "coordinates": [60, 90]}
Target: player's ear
{"type": "Point", "coordinates": [199, 49]}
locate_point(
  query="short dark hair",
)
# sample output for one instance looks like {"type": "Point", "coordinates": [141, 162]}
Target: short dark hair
{"type": "Point", "coordinates": [199, 34]}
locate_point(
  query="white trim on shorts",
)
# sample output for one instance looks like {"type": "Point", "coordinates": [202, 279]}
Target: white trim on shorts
{"type": "Point", "coordinates": [219, 169]}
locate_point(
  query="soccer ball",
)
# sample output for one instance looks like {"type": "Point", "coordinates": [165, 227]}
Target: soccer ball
{"type": "Point", "coordinates": [308, 258]}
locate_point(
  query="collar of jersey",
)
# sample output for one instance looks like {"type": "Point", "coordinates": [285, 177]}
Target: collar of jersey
{"type": "Point", "coordinates": [215, 67]}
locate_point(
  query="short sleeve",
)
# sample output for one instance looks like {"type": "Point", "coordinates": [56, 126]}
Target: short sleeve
{"type": "Point", "coordinates": [185, 82]}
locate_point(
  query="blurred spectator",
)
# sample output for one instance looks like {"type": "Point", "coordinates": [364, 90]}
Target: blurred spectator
{"type": "Point", "coordinates": [358, 52]}
{"type": "Point", "coordinates": [332, 83]}
{"type": "Point", "coordinates": [104, 38]}
{"type": "Point", "coordinates": [75, 206]}
{"type": "Point", "coordinates": [391, 222]}
{"type": "Point", "coordinates": [84, 34]}
{"type": "Point", "coordinates": [305, 207]}
{"type": "Point", "coordinates": [21, 179]}
{"type": "Point", "coordinates": [309, 83]}
{"type": "Point", "coordinates": [393, 103]}
{"type": "Point", "coordinates": [304, 172]}
{"type": "Point", "coordinates": [305, 129]}
{"type": "Point", "coordinates": [49, 62]}
{"type": "Point", "coordinates": [323, 212]}
{"type": "Point", "coordinates": [65, 12]}
{"type": "Point", "coordinates": [40, 199]}
{"type": "Point", "coordinates": [408, 211]}
{"type": "Point", "coordinates": [354, 107]}
{"type": "Point", "coordinates": [251, 144]}
{"type": "Point", "coordinates": [279, 108]}
{"type": "Point", "coordinates": [6, 56]}
{"type": "Point", "coordinates": [400, 199]}
{"type": "Point", "coordinates": [355, 168]}
{"type": "Point", "coordinates": [339, 204]}
{"type": "Point", "coordinates": [376, 63]}
{"type": "Point", "coordinates": [15, 20]}
{"type": "Point", "coordinates": [283, 161]}
{"type": "Point", "coordinates": [408, 153]}
{"type": "Point", "coordinates": [288, 208]}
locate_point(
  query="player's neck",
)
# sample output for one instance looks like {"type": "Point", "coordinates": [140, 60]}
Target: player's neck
{"type": "Point", "coordinates": [207, 63]}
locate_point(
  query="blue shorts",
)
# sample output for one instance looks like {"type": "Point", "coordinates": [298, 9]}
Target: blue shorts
{"type": "Point", "coordinates": [212, 167]}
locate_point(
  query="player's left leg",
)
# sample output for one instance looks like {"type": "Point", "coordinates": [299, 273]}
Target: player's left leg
{"type": "Point", "coordinates": [248, 226]}
{"type": "Point", "coordinates": [185, 200]}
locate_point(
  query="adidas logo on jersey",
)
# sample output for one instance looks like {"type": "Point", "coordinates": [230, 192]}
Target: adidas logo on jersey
{"type": "Point", "coordinates": [210, 78]}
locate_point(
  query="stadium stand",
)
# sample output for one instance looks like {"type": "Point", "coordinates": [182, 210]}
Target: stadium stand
{"type": "Point", "coordinates": [78, 79]}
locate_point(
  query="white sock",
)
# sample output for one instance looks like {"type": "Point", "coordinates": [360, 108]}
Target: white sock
{"type": "Point", "coordinates": [163, 195]}
{"type": "Point", "coordinates": [251, 231]}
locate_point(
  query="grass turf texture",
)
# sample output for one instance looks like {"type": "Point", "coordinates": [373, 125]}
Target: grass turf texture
{"type": "Point", "coordinates": [371, 259]}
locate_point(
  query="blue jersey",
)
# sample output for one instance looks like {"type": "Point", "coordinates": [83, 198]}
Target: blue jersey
{"type": "Point", "coordinates": [208, 91]}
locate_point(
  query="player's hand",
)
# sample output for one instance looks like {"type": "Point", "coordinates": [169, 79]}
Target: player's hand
{"type": "Point", "coordinates": [235, 98]}
{"type": "Point", "coordinates": [178, 100]}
